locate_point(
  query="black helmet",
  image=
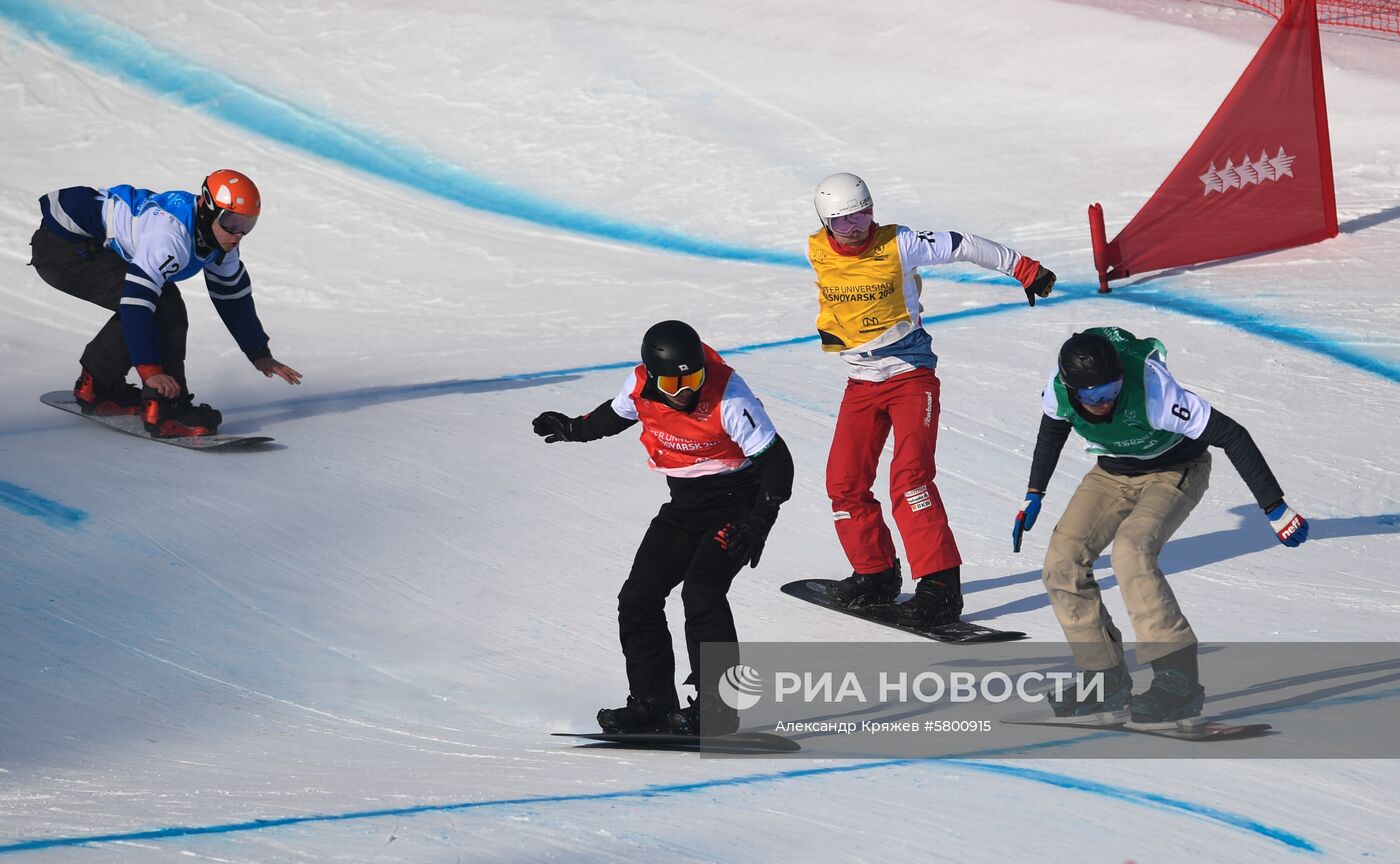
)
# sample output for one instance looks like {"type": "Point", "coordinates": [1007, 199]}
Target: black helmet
{"type": "Point", "coordinates": [672, 348]}
{"type": "Point", "coordinates": [1088, 360]}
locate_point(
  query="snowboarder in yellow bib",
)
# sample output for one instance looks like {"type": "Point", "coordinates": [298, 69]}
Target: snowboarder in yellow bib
{"type": "Point", "coordinates": [869, 289]}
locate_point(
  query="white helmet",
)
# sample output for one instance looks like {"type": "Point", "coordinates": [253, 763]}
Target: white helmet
{"type": "Point", "coordinates": [839, 195]}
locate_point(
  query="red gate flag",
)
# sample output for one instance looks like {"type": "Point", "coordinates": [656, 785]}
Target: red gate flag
{"type": "Point", "coordinates": [1259, 176]}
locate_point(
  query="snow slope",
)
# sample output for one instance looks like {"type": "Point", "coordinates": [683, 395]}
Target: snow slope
{"type": "Point", "coordinates": [352, 648]}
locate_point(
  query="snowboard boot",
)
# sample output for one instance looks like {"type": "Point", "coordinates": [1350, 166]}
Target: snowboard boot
{"type": "Point", "coordinates": [95, 399]}
{"type": "Point", "coordinates": [869, 589]}
{"type": "Point", "coordinates": [937, 601]}
{"type": "Point", "coordinates": [1113, 708]}
{"type": "Point", "coordinates": [708, 717]}
{"type": "Point", "coordinates": [1176, 695]}
{"type": "Point", "coordinates": [647, 714]}
{"type": "Point", "coordinates": [179, 417]}
{"type": "Point", "coordinates": [1173, 697]}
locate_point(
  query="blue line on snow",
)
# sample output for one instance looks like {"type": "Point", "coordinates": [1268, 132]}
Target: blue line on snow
{"type": "Point", "coordinates": [929, 320]}
{"type": "Point", "coordinates": [1244, 321]}
{"type": "Point", "coordinates": [1062, 781]}
{"type": "Point", "coordinates": [1259, 325]}
{"type": "Point", "coordinates": [27, 503]}
{"type": "Point", "coordinates": [99, 43]}
{"type": "Point", "coordinates": [1154, 799]}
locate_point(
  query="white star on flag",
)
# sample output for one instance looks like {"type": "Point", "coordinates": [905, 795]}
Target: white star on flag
{"type": "Point", "coordinates": [1229, 177]}
{"type": "Point", "coordinates": [1247, 172]}
{"type": "Point", "coordinates": [1212, 180]}
{"type": "Point", "coordinates": [1265, 167]}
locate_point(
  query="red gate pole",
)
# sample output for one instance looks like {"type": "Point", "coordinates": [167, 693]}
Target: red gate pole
{"type": "Point", "coordinates": [1096, 233]}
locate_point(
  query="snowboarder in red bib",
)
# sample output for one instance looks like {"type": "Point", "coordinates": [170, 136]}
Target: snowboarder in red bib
{"type": "Point", "coordinates": [869, 291]}
{"type": "Point", "coordinates": [728, 472]}
{"type": "Point", "coordinates": [125, 249]}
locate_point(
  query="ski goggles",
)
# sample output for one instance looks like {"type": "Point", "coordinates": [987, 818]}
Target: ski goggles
{"type": "Point", "coordinates": [672, 385]}
{"type": "Point", "coordinates": [1100, 394]}
{"type": "Point", "coordinates": [851, 223]}
{"type": "Point", "coordinates": [235, 223]}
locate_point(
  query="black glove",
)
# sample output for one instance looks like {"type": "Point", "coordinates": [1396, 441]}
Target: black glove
{"type": "Point", "coordinates": [743, 538]}
{"type": "Point", "coordinates": [1036, 278]}
{"type": "Point", "coordinates": [553, 426]}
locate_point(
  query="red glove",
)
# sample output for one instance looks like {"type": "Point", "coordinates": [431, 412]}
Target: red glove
{"type": "Point", "coordinates": [1038, 280]}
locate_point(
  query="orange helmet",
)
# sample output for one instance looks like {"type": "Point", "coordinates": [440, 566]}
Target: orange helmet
{"type": "Point", "coordinates": [227, 189]}
{"type": "Point", "coordinates": [231, 199]}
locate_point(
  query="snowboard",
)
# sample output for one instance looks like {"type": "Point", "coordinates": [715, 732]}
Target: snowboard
{"type": "Point", "coordinates": [960, 632]}
{"type": "Point", "coordinates": [1201, 730]}
{"type": "Point", "coordinates": [737, 743]}
{"type": "Point", "coordinates": [131, 424]}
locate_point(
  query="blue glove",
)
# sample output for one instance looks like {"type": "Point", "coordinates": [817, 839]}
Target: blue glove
{"type": "Point", "coordinates": [1025, 520]}
{"type": "Point", "coordinates": [1292, 529]}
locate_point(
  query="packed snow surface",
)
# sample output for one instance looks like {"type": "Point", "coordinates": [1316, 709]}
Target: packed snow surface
{"type": "Point", "coordinates": [352, 647]}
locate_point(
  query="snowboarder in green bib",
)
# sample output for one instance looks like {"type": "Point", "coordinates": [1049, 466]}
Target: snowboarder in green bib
{"type": "Point", "coordinates": [1151, 436]}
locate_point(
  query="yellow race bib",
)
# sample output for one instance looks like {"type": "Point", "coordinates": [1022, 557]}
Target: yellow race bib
{"type": "Point", "coordinates": [861, 296]}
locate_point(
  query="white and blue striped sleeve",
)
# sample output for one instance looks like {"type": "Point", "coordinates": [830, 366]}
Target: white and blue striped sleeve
{"type": "Point", "coordinates": [74, 213]}
{"type": "Point", "coordinates": [231, 289]}
{"type": "Point", "coordinates": [162, 252]}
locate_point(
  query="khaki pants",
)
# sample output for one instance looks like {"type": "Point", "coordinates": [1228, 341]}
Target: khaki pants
{"type": "Point", "coordinates": [1137, 515]}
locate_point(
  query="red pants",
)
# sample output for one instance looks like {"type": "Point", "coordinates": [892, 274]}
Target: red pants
{"type": "Point", "coordinates": [908, 403]}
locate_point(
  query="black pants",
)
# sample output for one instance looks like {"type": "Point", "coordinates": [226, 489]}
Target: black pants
{"type": "Point", "coordinates": [680, 549]}
{"type": "Point", "coordinates": [92, 272]}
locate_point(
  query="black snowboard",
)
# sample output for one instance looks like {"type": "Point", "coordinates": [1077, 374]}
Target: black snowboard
{"type": "Point", "coordinates": [738, 743]}
{"type": "Point", "coordinates": [1209, 730]}
{"type": "Point", "coordinates": [962, 632]}
{"type": "Point", "coordinates": [131, 424]}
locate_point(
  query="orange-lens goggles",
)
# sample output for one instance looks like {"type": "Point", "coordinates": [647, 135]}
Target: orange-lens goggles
{"type": "Point", "coordinates": [673, 384]}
